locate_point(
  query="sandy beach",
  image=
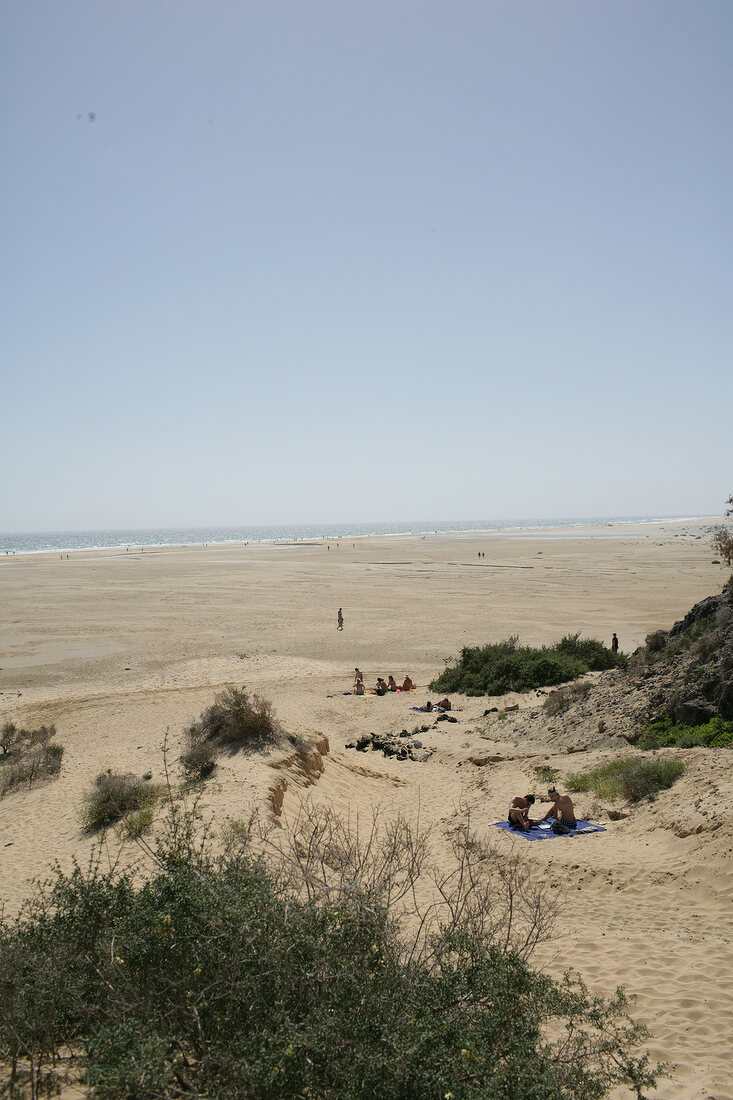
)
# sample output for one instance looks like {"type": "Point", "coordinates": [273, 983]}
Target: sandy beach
{"type": "Point", "coordinates": [119, 648]}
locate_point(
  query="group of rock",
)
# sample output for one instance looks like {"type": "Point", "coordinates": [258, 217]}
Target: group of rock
{"type": "Point", "coordinates": [403, 746]}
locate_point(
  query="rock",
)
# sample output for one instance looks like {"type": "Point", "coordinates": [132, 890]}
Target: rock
{"type": "Point", "coordinates": [417, 744]}
{"type": "Point", "coordinates": [482, 760]}
{"type": "Point", "coordinates": [513, 706]}
{"type": "Point", "coordinates": [692, 712]}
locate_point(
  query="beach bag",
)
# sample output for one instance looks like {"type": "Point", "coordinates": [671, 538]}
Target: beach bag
{"type": "Point", "coordinates": [560, 829]}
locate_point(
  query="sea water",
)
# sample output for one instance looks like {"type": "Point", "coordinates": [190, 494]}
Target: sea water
{"type": "Point", "coordinates": [38, 542]}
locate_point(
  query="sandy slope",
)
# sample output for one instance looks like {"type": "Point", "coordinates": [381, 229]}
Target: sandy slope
{"type": "Point", "coordinates": [117, 649]}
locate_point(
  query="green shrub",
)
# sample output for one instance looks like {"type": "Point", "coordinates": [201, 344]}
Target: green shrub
{"type": "Point", "coordinates": [28, 756]}
{"type": "Point", "coordinates": [506, 666]}
{"type": "Point", "coordinates": [715, 734]}
{"type": "Point", "coordinates": [546, 774]}
{"type": "Point", "coordinates": [656, 641]}
{"type": "Point", "coordinates": [112, 797]}
{"type": "Point", "coordinates": [136, 824]}
{"type": "Point", "coordinates": [632, 778]}
{"type": "Point", "coordinates": [219, 978]}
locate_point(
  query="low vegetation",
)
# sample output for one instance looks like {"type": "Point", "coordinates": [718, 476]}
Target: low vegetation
{"type": "Point", "coordinates": [715, 734]}
{"type": "Point", "coordinates": [113, 797]}
{"type": "Point", "coordinates": [506, 666]}
{"type": "Point", "coordinates": [562, 698]}
{"type": "Point", "coordinates": [722, 543]}
{"type": "Point", "coordinates": [28, 756]}
{"type": "Point", "coordinates": [235, 720]}
{"type": "Point", "coordinates": [546, 774]}
{"type": "Point", "coordinates": [632, 778]}
{"type": "Point", "coordinates": [291, 975]}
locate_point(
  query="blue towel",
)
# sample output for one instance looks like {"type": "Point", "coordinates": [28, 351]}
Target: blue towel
{"type": "Point", "coordinates": [536, 833]}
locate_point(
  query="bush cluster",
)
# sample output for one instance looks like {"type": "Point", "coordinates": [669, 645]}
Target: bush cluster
{"type": "Point", "coordinates": [506, 666]}
{"type": "Point", "coordinates": [715, 734]}
{"type": "Point", "coordinates": [235, 720]}
{"type": "Point", "coordinates": [116, 795]}
{"type": "Point", "coordinates": [27, 756]}
{"type": "Point", "coordinates": [632, 778]}
{"type": "Point", "coordinates": [217, 978]}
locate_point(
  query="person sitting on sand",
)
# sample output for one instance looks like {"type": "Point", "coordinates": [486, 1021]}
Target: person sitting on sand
{"type": "Point", "coordinates": [359, 687]}
{"type": "Point", "coordinates": [444, 704]}
{"type": "Point", "coordinates": [358, 677]}
{"type": "Point", "coordinates": [562, 808]}
{"type": "Point", "coordinates": [518, 815]}
{"type": "Point", "coordinates": [391, 684]}
{"type": "Point", "coordinates": [407, 684]}
{"type": "Point", "coordinates": [380, 686]}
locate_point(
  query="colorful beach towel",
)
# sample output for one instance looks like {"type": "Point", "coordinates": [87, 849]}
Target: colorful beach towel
{"type": "Point", "coordinates": [544, 831]}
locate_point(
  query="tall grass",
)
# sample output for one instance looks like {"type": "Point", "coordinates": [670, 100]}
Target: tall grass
{"type": "Point", "coordinates": [632, 778]}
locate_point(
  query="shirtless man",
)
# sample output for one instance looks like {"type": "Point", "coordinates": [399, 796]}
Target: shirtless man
{"type": "Point", "coordinates": [407, 684]}
{"type": "Point", "coordinates": [562, 808]}
{"type": "Point", "coordinates": [358, 676]}
{"type": "Point", "coordinates": [519, 810]}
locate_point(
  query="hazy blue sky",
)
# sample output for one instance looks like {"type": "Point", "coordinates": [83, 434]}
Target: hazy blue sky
{"type": "Point", "coordinates": [311, 260]}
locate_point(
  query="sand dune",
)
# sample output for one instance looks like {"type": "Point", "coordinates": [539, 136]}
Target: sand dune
{"type": "Point", "coordinates": [118, 649]}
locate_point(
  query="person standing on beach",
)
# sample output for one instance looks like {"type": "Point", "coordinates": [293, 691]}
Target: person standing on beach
{"type": "Point", "coordinates": [614, 644]}
{"type": "Point", "coordinates": [340, 620]}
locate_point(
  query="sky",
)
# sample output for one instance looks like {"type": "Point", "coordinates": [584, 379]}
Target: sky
{"type": "Point", "coordinates": [295, 261]}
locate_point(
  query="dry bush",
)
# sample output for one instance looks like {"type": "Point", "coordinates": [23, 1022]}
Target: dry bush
{"type": "Point", "coordinates": [562, 698]}
{"type": "Point", "coordinates": [235, 720]}
{"type": "Point", "coordinates": [114, 795]}
{"type": "Point", "coordinates": [27, 756]}
{"type": "Point", "coordinates": [477, 888]}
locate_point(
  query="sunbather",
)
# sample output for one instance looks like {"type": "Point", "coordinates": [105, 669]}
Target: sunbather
{"type": "Point", "coordinates": [407, 684]}
{"type": "Point", "coordinates": [391, 684]}
{"type": "Point", "coordinates": [444, 704]}
{"type": "Point", "coordinates": [518, 815]}
{"type": "Point", "coordinates": [562, 808]}
{"type": "Point", "coordinates": [380, 686]}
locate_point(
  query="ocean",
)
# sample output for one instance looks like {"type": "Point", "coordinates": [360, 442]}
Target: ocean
{"type": "Point", "coordinates": [39, 542]}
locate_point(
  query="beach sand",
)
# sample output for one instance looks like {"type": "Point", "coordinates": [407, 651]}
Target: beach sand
{"type": "Point", "coordinates": [116, 649]}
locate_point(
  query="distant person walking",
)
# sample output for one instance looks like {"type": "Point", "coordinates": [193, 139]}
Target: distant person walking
{"type": "Point", "coordinates": [614, 644]}
{"type": "Point", "coordinates": [340, 620]}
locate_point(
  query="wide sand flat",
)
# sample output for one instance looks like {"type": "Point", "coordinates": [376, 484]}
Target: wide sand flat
{"type": "Point", "coordinates": [116, 649]}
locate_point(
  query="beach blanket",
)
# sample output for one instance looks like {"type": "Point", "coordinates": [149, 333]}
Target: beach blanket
{"type": "Point", "coordinates": [544, 832]}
